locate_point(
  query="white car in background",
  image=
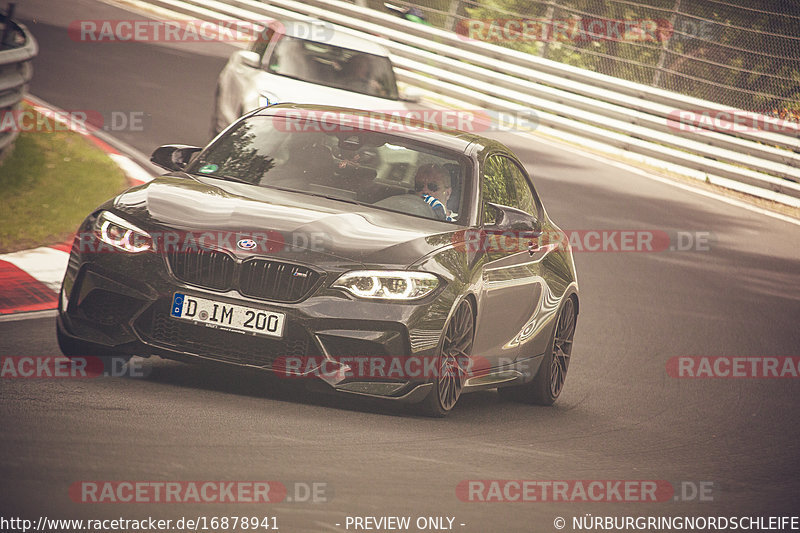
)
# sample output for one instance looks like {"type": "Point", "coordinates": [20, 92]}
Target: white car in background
{"type": "Point", "coordinates": [307, 63]}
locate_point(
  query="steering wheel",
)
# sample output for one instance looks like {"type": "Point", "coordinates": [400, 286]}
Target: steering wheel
{"type": "Point", "coordinates": [408, 203]}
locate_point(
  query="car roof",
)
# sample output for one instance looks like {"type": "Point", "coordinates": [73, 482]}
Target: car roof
{"type": "Point", "coordinates": [324, 32]}
{"type": "Point", "coordinates": [417, 130]}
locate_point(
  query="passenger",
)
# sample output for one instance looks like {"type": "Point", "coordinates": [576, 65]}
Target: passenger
{"type": "Point", "coordinates": [433, 182]}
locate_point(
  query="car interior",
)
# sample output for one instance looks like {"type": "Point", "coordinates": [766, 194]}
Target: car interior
{"type": "Point", "coordinates": [333, 66]}
{"type": "Point", "coordinates": [361, 166]}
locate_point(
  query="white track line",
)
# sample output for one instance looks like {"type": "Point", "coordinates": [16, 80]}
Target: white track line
{"type": "Point", "coordinates": [45, 264]}
{"type": "Point", "coordinates": [29, 315]}
{"type": "Point", "coordinates": [131, 169]}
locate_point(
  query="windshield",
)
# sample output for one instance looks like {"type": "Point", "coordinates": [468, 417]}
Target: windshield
{"type": "Point", "coordinates": [338, 162]}
{"type": "Point", "coordinates": [329, 65]}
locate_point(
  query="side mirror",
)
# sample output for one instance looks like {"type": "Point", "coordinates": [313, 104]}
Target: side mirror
{"type": "Point", "coordinates": [173, 156]}
{"type": "Point", "coordinates": [511, 219]}
{"type": "Point", "coordinates": [411, 95]}
{"type": "Point", "coordinates": [250, 58]}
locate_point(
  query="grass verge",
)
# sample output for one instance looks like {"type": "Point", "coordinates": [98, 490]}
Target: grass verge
{"type": "Point", "coordinates": [48, 184]}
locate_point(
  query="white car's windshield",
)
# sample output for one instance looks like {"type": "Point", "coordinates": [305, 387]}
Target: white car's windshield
{"type": "Point", "coordinates": [329, 65]}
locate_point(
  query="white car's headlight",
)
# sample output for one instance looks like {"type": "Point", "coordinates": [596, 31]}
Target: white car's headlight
{"type": "Point", "coordinates": [121, 234]}
{"type": "Point", "coordinates": [267, 98]}
{"type": "Point", "coordinates": [388, 284]}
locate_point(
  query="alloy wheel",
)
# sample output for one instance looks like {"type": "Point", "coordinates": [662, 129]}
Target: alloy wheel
{"type": "Point", "coordinates": [562, 347]}
{"type": "Point", "coordinates": [456, 348]}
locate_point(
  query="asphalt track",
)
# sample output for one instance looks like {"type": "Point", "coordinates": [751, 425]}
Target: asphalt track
{"type": "Point", "coordinates": [620, 417]}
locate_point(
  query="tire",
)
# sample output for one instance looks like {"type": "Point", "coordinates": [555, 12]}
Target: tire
{"type": "Point", "coordinates": [549, 381]}
{"type": "Point", "coordinates": [453, 362]}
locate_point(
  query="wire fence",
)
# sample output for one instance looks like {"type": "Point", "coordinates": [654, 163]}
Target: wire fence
{"type": "Point", "coordinates": [739, 53]}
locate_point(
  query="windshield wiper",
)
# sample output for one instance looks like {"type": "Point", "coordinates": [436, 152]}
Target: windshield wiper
{"type": "Point", "coordinates": [284, 189]}
{"type": "Point", "coordinates": [226, 178]}
{"type": "Point", "coordinates": [317, 194]}
{"type": "Point", "coordinates": [337, 198]}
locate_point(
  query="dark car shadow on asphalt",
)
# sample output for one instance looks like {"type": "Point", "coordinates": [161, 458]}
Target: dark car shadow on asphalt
{"type": "Point", "coordinates": [218, 377]}
{"type": "Point", "coordinates": [221, 378]}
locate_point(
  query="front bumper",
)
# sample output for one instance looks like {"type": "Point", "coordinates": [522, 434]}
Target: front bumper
{"type": "Point", "coordinates": [121, 303]}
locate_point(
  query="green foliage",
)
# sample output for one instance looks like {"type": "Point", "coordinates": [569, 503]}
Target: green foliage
{"type": "Point", "coordinates": [50, 182]}
{"type": "Point", "coordinates": [745, 56]}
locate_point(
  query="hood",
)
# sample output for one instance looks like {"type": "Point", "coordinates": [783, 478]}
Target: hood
{"type": "Point", "coordinates": [286, 225]}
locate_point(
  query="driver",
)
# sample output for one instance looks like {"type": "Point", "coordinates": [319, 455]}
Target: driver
{"type": "Point", "coordinates": [360, 72]}
{"type": "Point", "coordinates": [433, 183]}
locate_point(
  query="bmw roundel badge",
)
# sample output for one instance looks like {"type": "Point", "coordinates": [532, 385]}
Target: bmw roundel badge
{"type": "Point", "coordinates": [246, 244]}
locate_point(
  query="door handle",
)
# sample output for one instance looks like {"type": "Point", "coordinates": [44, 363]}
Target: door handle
{"type": "Point", "coordinates": [533, 245]}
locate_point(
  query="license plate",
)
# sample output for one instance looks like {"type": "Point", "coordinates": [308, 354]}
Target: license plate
{"type": "Point", "coordinates": [227, 317]}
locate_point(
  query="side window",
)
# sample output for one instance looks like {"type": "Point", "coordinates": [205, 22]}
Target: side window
{"type": "Point", "coordinates": [497, 188]}
{"type": "Point", "coordinates": [504, 183]}
{"type": "Point", "coordinates": [526, 198]}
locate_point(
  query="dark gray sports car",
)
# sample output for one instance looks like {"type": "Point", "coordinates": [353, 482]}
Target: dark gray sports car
{"type": "Point", "coordinates": [391, 259]}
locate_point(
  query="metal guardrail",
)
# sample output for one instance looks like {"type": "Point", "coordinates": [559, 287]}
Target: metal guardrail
{"type": "Point", "coordinates": [17, 49]}
{"type": "Point", "coordinates": [611, 111]}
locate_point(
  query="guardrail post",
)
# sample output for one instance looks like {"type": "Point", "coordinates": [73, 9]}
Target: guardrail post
{"type": "Point", "coordinates": [664, 49]}
{"type": "Point", "coordinates": [7, 26]}
{"type": "Point", "coordinates": [548, 21]}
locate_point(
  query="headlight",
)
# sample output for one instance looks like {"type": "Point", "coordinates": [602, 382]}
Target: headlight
{"type": "Point", "coordinates": [388, 285]}
{"type": "Point", "coordinates": [121, 234]}
{"type": "Point", "coordinates": [266, 98]}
